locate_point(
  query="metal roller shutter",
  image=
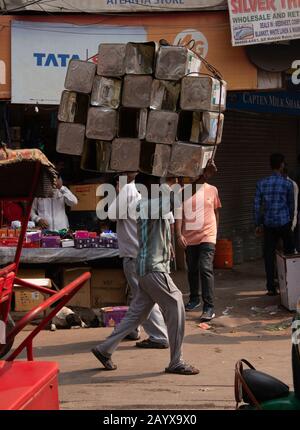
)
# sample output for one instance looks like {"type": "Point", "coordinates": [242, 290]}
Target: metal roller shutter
{"type": "Point", "coordinates": [243, 158]}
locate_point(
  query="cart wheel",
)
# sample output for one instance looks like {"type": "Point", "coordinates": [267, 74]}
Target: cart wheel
{"type": "Point", "coordinates": [4, 349]}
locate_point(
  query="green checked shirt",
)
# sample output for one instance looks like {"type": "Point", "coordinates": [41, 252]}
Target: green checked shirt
{"type": "Point", "coordinates": [154, 238]}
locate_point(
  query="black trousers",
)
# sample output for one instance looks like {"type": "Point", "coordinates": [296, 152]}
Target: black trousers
{"type": "Point", "coordinates": [200, 259]}
{"type": "Point", "coordinates": [271, 238]}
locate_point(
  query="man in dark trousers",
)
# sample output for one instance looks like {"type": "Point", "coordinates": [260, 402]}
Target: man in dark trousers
{"type": "Point", "coordinates": [274, 212]}
{"type": "Point", "coordinates": [196, 231]}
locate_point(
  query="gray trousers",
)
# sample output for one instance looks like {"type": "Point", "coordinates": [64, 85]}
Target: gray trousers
{"type": "Point", "coordinates": [154, 326]}
{"type": "Point", "coordinates": [155, 287]}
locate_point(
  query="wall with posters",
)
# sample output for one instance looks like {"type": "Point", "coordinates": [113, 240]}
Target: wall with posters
{"type": "Point", "coordinates": [42, 47]}
{"type": "Point", "coordinates": [4, 58]}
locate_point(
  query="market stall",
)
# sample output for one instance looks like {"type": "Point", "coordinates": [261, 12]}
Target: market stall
{"type": "Point", "coordinates": [56, 256]}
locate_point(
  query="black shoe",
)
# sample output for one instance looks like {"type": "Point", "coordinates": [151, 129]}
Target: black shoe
{"type": "Point", "coordinates": [147, 343]}
{"type": "Point", "coordinates": [132, 336]}
{"type": "Point", "coordinates": [191, 306]}
{"type": "Point", "coordinates": [207, 314]}
{"type": "Point", "coordinates": [107, 363]}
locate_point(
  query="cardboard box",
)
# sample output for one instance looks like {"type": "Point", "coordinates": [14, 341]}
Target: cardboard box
{"type": "Point", "coordinates": [86, 195]}
{"type": "Point", "coordinates": [31, 273]}
{"type": "Point", "coordinates": [108, 278]}
{"type": "Point", "coordinates": [288, 268]}
{"type": "Point", "coordinates": [108, 287]}
{"type": "Point", "coordinates": [3, 232]}
{"type": "Point", "coordinates": [83, 297]}
{"type": "Point", "coordinates": [11, 232]}
{"type": "Point", "coordinates": [26, 299]}
{"type": "Point", "coordinates": [107, 297]}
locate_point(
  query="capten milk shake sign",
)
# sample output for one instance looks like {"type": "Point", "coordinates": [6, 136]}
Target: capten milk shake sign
{"type": "Point", "coordinates": [262, 21]}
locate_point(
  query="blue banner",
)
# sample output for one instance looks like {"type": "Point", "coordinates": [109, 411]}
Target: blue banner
{"type": "Point", "coordinates": [281, 102]}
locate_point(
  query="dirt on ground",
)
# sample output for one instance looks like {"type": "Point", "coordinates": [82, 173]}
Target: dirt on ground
{"type": "Point", "coordinates": [248, 325]}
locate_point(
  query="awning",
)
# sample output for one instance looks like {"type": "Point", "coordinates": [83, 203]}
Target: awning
{"type": "Point", "coordinates": [110, 6]}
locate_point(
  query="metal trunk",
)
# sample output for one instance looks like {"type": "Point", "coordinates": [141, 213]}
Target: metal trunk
{"type": "Point", "coordinates": [73, 107]}
{"type": "Point", "coordinates": [111, 59]}
{"type": "Point", "coordinates": [132, 122]}
{"type": "Point", "coordinates": [139, 58]}
{"type": "Point", "coordinates": [155, 158]}
{"type": "Point", "coordinates": [202, 93]}
{"type": "Point", "coordinates": [70, 138]}
{"type": "Point", "coordinates": [125, 155]}
{"type": "Point", "coordinates": [80, 76]}
{"type": "Point", "coordinates": [96, 156]}
{"type": "Point", "coordinates": [106, 92]}
{"type": "Point", "coordinates": [174, 62]}
{"type": "Point", "coordinates": [162, 127]}
{"type": "Point", "coordinates": [200, 127]}
{"type": "Point", "coordinates": [137, 91]}
{"type": "Point", "coordinates": [188, 159]}
{"type": "Point", "coordinates": [164, 95]}
{"type": "Point", "coordinates": [101, 123]}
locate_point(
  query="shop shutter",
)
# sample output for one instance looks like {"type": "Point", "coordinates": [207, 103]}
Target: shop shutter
{"type": "Point", "coordinates": [243, 158]}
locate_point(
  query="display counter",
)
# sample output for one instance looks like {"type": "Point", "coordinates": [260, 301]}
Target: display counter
{"type": "Point", "coordinates": [56, 255]}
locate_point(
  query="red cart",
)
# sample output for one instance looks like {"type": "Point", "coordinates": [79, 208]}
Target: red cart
{"type": "Point", "coordinates": [24, 175]}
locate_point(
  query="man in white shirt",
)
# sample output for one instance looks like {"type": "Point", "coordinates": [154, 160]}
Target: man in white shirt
{"type": "Point", "coordinates": [127, 196]}
{"type": "Point", "coordinates": [50, 213]}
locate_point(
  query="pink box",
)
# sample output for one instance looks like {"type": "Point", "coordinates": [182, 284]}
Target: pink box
{"type": "Point", "coordinates": [81, 234]}
{"type": "Point", "coordinates": [50, 242]}
{"type": "Point", "coordinates": [113, 315]}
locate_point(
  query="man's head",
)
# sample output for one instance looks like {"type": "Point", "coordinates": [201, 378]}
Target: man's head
{"type": "Point", "coordinates": [208, 173]}
{"type": "Point", "coordinates": [210, 170]}
{"type": "Point", "coordinates": [277, 162]}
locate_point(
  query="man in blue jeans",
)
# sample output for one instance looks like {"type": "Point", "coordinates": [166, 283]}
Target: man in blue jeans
{"type": "Point", "coordinates": [274, 212]}
{"type": "Point", "coordinates": [196, 232]}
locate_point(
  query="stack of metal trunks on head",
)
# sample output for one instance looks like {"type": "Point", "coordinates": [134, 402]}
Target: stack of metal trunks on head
{"type": "Point", "coordinates": [144, 107]}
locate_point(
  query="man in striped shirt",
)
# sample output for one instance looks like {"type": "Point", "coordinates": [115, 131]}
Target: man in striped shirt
{"type": "Point", "coordinates": [274, 212]}
{"type": "Point", "coordinates": [156, 284]}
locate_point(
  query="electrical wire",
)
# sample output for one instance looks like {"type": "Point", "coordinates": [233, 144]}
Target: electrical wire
{"type": "Point", "coordinates": [23, 7]}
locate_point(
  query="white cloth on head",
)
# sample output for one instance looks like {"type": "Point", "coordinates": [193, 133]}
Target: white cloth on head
{"type": "Point", "coordinates": [119, 211]}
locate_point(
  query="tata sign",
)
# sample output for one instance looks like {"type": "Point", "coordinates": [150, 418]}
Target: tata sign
{"type": "Point", "coordinates": [41, 53]}
{"type": "Point", "coordinates": [44, 59]}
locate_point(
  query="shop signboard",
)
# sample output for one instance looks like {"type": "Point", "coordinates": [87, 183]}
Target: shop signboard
{"type": "Point", "coordinates": [42, 51]}
{"type": "Point", "coordinates": [263, 21]}
{"type": "Point", "coordinates": [43, 46]}
{"type": "Point", "coordinates": [4, 57]}
{"type": "Point", "coordinates": [113, 6]}
{"type": "Point", "coordinates": [281, 102]}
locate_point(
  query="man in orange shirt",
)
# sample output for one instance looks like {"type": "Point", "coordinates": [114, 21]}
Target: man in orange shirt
{"type": "Point", "coordinates": [196, 232]}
